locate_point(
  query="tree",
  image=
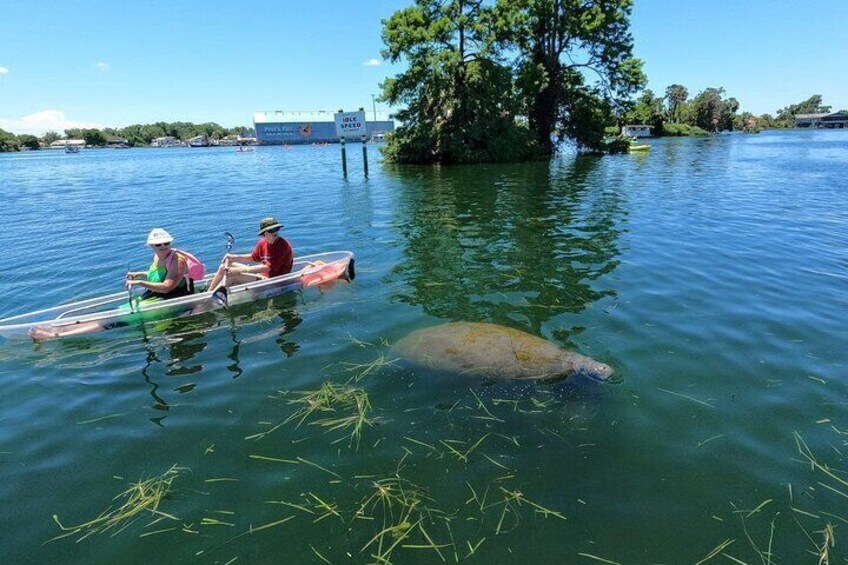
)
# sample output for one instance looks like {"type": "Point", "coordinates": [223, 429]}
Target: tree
{"type": "Point", "coordinates": [712, 112]}
{"type": "Point", "coordinates": [8, 142]}
{"type": "Point", "coordinates": [570, 51]}
{"type": "Point", "coordinates": [648, 110]}
{"type": "Point", "coordinates": [50, 136]}
{"type": "Point", "coordinates": [457, 93]}
{"type": "Point", "coordinates": [675, 96]}
{"type": "Point", "coordinates": [94, 137]}
{"type": "Point", "coordinates": [26, 140]}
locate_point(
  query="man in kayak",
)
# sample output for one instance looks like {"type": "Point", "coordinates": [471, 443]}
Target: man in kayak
{"type": "Point", "coordinates": [273, 256]}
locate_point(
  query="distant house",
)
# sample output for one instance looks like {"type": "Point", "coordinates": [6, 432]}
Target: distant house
{"type": "Point", "coordinates": [808, 120]}
{"type": "Point", "coordinates": [167, 141]}
{"type": "Point", "coordinates": [198, 141]}
{"type": "Point", "coordinates": [117, 142]}
{"type": "Point", "coordinates": [636, 131]}
{"type": "Point", "coordinates": [835, 120]}
{"type": "Point", "coordinates": [64, 143]}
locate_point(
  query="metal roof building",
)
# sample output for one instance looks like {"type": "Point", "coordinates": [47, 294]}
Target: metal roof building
{"type": "Point", "coordinates": [297, 128]}
{"type": "Point", "coordinates": [828, 120]}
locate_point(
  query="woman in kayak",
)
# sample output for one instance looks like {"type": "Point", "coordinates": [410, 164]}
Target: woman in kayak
{"type": "Point", "coordinates": [166, 278]}
{"type": "Point", "coordinates": [273, 256]}
{"type": "Point", "coordinates": [168, 273]}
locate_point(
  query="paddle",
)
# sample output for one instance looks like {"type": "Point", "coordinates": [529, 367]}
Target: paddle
{"type": "Point", "coordinates": [130, 292]}
{"type": "Point", "coordinates": [221, 295]}
{"type": "Point", "coordinates": [129, 288]}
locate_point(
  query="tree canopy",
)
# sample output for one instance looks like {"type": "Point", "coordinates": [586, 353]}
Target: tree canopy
{"type": "Point", "coordinates": [8, 141]}
{"type": "Point", "coordinates": [456, 94]}
{"type": "Point", "coordinates": [495, 80]}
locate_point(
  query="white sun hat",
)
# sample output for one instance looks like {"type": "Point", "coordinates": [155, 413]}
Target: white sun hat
{"type": "Point", "coordinates": [159, 235]}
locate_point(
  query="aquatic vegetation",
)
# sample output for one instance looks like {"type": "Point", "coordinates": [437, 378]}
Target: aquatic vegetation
{"type": "Point", "coordinates": [404, 511]}
{"type": "Point", "coordinates": [340, 407]}
{"type": "Point", "coordinates": [140, 499]}
{"type": "Point", "coordinates": [767, 525]}
{"type": "Point", "coordinates": [362, 370]}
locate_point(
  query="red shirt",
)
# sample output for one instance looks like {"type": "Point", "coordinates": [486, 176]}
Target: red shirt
{"type": "Point", "coordinates": [279, 256]}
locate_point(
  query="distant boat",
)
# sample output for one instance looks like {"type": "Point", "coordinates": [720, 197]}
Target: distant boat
{"type": "Point", "coordinates": [71, 149]}
{"type": "Point", "coordinates": [243, 149]}
{"type": "Point", "coordinates": [634, 148]}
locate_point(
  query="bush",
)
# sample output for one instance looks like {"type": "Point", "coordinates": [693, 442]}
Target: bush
{"type": "Point", "coordinates": [618, 145]}
{"type": "Point", "coordinates": [426, 144]}
{"type": "Point", "coordinates": [681, 130]}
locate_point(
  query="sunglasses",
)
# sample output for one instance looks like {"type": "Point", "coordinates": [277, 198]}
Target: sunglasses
{"type": "Point", "coordinates": [161, 244]}
{"type": "Point", "coordinates": [273, 232]}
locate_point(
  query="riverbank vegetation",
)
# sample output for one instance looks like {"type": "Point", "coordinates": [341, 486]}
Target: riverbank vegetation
{"type": "Point", "coordinates": [675, 114]}
{"type": "Point", "coordinates": [136, 135]}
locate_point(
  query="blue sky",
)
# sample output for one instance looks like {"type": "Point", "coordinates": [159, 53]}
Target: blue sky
{"type": "Point", "coordinates": [112, 63]}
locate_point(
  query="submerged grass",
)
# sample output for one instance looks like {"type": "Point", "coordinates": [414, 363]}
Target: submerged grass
{"type": "Point", "coordinates": [140, 499]}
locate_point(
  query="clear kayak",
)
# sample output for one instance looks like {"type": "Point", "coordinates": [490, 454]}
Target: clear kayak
{"type": "Point", "coordinates": [114, 310]}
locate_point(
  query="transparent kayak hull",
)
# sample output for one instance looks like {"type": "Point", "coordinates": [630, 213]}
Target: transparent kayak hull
{"type": "Point", "coordinates": [106, 312]}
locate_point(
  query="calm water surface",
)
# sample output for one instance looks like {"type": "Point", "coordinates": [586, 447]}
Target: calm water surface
{"type": "Point", "coordinates": [712, 274]}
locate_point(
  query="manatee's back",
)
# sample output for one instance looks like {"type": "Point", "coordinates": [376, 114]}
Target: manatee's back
{"type": "Point", "coordinates": [480, 349]}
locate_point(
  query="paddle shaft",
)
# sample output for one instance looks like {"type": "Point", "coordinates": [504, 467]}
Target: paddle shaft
{"type": "Point", "coordinates": [221, 292]}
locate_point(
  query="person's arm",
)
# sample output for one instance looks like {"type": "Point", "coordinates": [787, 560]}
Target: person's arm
{"type": "Point", "coordinates": [255, 257]}
{"type": "Point", "coordinates": [136, 275]}
{"type": "Point", "coordinates": [238, 257]}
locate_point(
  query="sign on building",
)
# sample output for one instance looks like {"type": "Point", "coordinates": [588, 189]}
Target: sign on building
{"type": "Point", "coordinates": [350, 124]}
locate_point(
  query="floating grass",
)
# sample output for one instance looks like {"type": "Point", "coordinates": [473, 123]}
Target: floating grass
{"type": "Point", "coordinates": [717, 550]}
{"type": "Point", "coordinates": [687, 397]}
{"type": "Point", "coordinates": [100, 419]}
{"type": "Point", "coordinates": [596, 558]}
{"type": "Point", "coordinates": [141, 499]}
{"type": "Point", "coordinates": [362, 370]}
{"type": "Point", "coordinates": [341, 407]}
{"type": "Point", "coordinates": [460, 451]}
{"type": "Point", "coordinates": [404, 511]}
{"type": "Point", "coordinates": [511, 503]}
{"type": "Point", "coordinates": [807, 453]}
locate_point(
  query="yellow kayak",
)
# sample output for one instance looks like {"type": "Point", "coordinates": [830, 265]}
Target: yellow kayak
{"type": "Point", "coordinates": [639, 148]}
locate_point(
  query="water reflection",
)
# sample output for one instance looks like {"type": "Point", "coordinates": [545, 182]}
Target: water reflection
{"type": "Point", "coordinates": [233, 356]}
{"type": "Point", "coordinates": [514, 245]}
{"type": "Point", "coordinates": [279, 312]}
{"type": "Point", "coordinates": [181, 347]}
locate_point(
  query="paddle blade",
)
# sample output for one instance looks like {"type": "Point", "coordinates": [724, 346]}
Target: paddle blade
{"type": "Point", "coordinates": [221, 297]}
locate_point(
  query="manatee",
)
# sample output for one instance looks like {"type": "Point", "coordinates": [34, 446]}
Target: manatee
{"type": "Point", "coordinates": [494, 351]}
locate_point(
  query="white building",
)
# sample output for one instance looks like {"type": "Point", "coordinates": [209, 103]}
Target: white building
{"type": "Point", "coordinates": [167, 141]}
{"type": "Point", "coordinates": [636, 131]}
{"type": "Point", "coordinates": [64, 143]}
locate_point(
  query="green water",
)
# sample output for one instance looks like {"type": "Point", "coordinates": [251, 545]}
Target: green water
{"type": "Point", "coordinates": [711, 274]}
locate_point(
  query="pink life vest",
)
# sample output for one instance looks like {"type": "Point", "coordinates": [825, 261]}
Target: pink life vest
{"type": "Point", "coordinates": [196, 270]}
